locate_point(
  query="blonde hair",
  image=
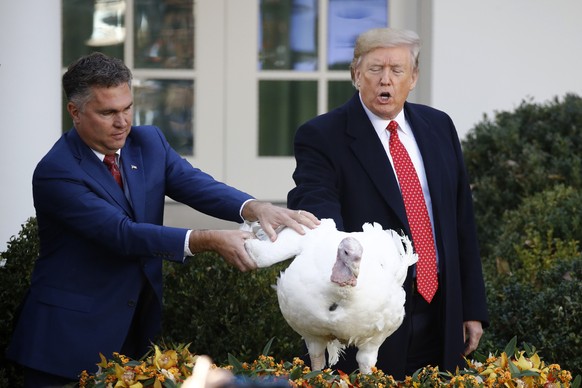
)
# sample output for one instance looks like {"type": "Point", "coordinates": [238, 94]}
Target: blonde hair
{"type": "Point", "coordinates": [382, 38]}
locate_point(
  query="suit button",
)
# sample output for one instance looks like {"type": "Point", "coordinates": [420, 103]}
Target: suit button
{"type": "Point", "coordinates": [131, 303]}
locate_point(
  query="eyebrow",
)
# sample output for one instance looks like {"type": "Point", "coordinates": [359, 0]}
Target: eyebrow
{"type": "Point", "coordinates": [108, 110]}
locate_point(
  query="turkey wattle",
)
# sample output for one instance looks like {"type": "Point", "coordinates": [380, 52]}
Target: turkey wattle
{"type": "Point", "coordinates": [342, 289]}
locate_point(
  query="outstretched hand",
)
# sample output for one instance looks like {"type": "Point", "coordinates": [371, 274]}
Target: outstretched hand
{"type": "Point", "coordinates": [230, 244]}
{"type": "Point", "coordinates": [273, 217]}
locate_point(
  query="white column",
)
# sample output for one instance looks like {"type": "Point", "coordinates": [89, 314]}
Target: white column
{"type": "Point", "coordinates": [30, 102]}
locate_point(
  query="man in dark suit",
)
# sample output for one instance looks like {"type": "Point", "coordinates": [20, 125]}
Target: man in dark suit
{"type": "Point", "coordinates": [345, 171]}
{"type": "Point", "coordinates": [97, 284]}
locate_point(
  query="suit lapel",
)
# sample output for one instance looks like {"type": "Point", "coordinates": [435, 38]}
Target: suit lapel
{"type": "Point", "coordinates": [428, 144]}
{"type": "Point", "coordinates": [91, 164]}
{"type": "Point", "coordinates": [367, 148]}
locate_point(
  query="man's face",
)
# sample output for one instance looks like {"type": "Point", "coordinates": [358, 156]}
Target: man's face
{"type": "Point", "coordinates": [385, 77]}
{"type": "Point", "coordinates": [105, 121]}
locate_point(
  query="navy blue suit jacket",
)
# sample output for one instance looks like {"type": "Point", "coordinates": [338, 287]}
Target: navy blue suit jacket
{"type": "Point", "coordinates": [98, 248]}
{"type": "Point", "coordinates": [343, 173]}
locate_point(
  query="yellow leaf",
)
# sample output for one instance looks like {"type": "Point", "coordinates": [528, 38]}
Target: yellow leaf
{"type": "Point", "coordinates": [103, 363]}
{"type": "Point", "coordinates": [536, 360]}
{"type": "Point", "coordinates": [523, 363]}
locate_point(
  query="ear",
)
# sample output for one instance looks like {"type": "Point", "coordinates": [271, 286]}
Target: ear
{"type": "Point", "coordinates": [74, 112]}
{"type": "Point", "coordinates": [414, 79]}
{"type": "Point", "coordinates": [356, 73]}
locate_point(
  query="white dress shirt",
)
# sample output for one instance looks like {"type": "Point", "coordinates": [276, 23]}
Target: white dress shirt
{"type": "Point", "coordinates": [409, 142]}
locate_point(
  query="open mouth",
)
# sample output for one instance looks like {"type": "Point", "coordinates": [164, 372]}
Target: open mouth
{"type": "Point", "coordinates": [385, 96]}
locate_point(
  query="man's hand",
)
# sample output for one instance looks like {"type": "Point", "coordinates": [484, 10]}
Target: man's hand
{"type": "Point", "coordinates": [230, 244]}
{"type": "Point", "coordinates": [272, 217]}
{"type": "Point", "coordinates": [473, 330]}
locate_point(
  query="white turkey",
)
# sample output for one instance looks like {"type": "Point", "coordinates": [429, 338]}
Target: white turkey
{"type": "Point", "coordinates": [342, 289]}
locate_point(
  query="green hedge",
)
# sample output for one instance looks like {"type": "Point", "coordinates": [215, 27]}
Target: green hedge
{"type": "Point", "coordinates": [517, 154]}
{"type": "Point", "coordinates": [550, 318]}
{"type": "Point", "coordinates": [544, 229]}
{"type": "Point", "coordinates": [526, 173]}
{"type": "Point", "coordinates": [220, 310]}
{"type": "Point", "coordinates": [15, 278]}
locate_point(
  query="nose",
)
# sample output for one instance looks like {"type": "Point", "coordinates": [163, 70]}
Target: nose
{"type": "Point", "coordinates": [120, 120]}
{"type": "Point", "coordinates": [385, 76]}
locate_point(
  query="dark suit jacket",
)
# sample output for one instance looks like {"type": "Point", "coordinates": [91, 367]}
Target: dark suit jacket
{"type": "Point", "coordinates": [344, 173]}
{"type": "Point", "coordinates": [98, 249]}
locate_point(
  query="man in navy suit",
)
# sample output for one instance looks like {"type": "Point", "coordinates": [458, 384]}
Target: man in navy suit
{"type": "Point", "coordinates": [345, 172]}
{"type": "Point", "coordinates": [97, 284]}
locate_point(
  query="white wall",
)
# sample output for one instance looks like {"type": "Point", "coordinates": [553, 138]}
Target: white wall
{"type": "Point", "coordinates": [30, 102]}
{"type": "Point", "coordinates": [491, 55]}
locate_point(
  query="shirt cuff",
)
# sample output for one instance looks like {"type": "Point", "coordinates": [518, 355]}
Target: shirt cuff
{"type": "Point", "coordinates": [242, 207]}
{"type": "Point", "coordinates": [187, 251]}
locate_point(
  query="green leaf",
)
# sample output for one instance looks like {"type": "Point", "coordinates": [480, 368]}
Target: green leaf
{"type": "Point", "coordinates": [480, 357]}
{"type": "Point", "coordinates": [577, 382]}
{"type": "Point", "coordinates": [267, 348]}
{"type": "Point", "coordinates": [513, 369]}
{"type": "Point", "coordinates": [511, 347]}
{"type": "Point", "coordinates": [296, 373]}
{"type": "Point", "coordinates": [528, 373]}
{"type": "Point", "coordinates": [169, 384]}
{"type": "Point", "coordinates": [529, 349]}
{"type": "Point", "coordinates": [236, 364]}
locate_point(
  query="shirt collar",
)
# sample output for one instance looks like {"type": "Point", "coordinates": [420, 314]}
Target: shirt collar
{"type": "Point", "coordinates": [102, 156]}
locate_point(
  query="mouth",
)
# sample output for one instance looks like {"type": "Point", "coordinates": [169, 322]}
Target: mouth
{"type": "Point", "coordinates": [118, 136]}
{"type": "Point", "coordinates": [384, 96]}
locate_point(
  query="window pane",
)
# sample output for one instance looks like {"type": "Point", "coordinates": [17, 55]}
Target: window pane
{"type": "Point", "coordinates": [283, 106]}
{"type": "Point", "coordinates": [288, 35]}
{"type": "Point", "coordinates": [164, 34]}
{"type": "Point", "coordinates": [88, 26]}
{"type": "Point", "coordinates": [338, 92]}
{"type": "Point", "coordinates": [347, 20]}
{"type": "Point", "coordinates": [169, 106]}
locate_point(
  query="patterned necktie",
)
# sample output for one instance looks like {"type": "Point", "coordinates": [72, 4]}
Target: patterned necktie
{"type": "Point", "coordinates": [417, 214]}
{"type": "Point", "coordinates": [109, 161]}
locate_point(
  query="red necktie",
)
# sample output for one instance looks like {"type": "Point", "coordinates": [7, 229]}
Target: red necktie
{"type": "Point", "coordinates": [417, 214]}
{"type": "Point", "coordinates": [109, 161]}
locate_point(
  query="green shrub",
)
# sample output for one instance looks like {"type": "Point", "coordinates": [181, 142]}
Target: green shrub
{"type": "Point", "coordinates": [545, 228]}
{"type": "Point", "coordinates": [15, 278]}
{"type": "Point", "coordinates": [551, 319]}
{"type": "Point", "coordinates": [525, 168]}
{"type": "Point", "coordinates": [221, 310]}
{"type": "Point", "coordinates": [520, 153]}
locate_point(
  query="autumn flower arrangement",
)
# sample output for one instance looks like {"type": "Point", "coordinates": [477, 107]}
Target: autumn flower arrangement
{"type": "Point", "coordinates": [159, 369]}
{"type": "Point", "coordinates": [172, 367]}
